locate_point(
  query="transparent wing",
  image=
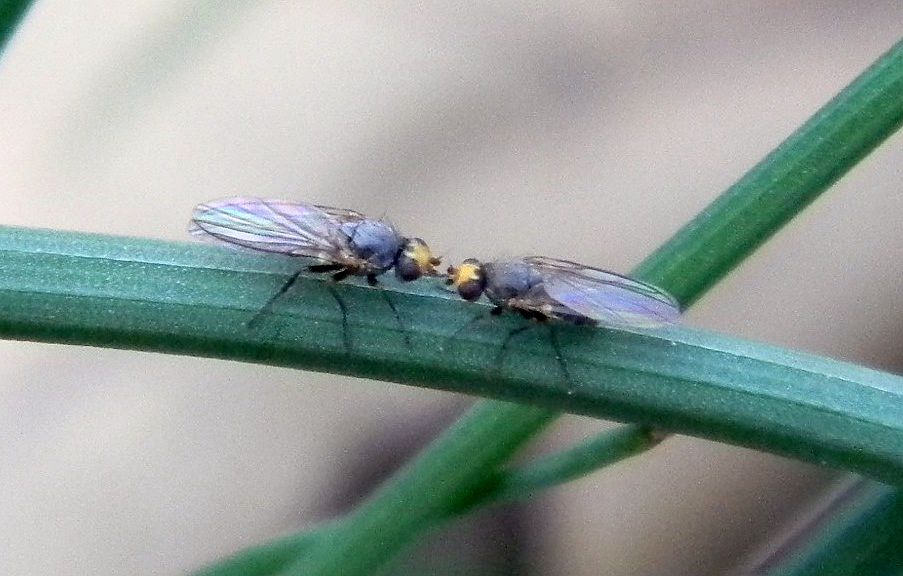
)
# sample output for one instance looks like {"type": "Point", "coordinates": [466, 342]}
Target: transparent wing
{"type": "Point", "coordinates": [341, 215]}
{"type": "Point", "coordinates": [605, 296]}
{"type": "Point", "coordinates": [272, 226]}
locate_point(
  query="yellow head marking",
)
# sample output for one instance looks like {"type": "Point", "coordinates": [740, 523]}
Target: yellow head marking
{"type": "Point", "coordinates": [466, 272]}
{"type": "Point", "coordinates": [419, 252]}
{"type": "Point", "coordinates": [415, 260]}
{"type": "Point", "coordinates": [468, 279]}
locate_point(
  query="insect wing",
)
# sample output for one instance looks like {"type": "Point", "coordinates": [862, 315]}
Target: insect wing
{"type": "Point", "coordinates": [270, 226]}
{"type": "Point", "coordinates": [347, 220]}
{"type": "Point", "coordinates": [605, 296]}
{"type": "Point", "coordinates": [341, 215]}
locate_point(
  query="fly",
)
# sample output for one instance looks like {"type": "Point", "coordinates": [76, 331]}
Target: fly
{"type": "Point", "coordinates": [541, 288]}
{"type": "Point", "coordinates": [346, 242]}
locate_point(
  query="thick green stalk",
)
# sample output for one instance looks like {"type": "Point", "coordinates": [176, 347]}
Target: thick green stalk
{"type": "Point", "coordinates": [197, 299]}
{"type": "Point", "coordinates": [863, 115]}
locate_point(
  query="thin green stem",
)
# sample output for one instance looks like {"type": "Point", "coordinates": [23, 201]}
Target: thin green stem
{"type": "Point", "coordinates": [11, 13]}
{"type": "Point", "coordinates": [507, 485]}
{"type": "Point", "coordinates": [453, 467]}
{"type": "Point", "coordinates": [547, 472]}
{"type": "Point", "coordinates": [779, 187]}
{"type": "Point", "coordinates": [265, 560]}
{"type": "Point", "coordinates": [860, 533]}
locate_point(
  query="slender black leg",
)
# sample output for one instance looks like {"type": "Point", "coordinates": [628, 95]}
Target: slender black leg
{"type": "Point", "coordinates": [562, 363]}
{"type": "Point", "coordinates": [264, 310]}
{"type": "Point", "coordinates": [346, 337]}
{"type": "Point", "coordinates": [372, 281]}
{"type": "Point", "coordinates": [503, 349]}
{"type": "Point", "coordinates": [476, 319]}
{"type": "Point", "coordinates": [401, 327]}
{"type": "Point", "coordinates": [341, 275]}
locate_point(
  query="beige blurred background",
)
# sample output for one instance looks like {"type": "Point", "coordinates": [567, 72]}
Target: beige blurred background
{"type": "Point", "coordinates": [586, 130]}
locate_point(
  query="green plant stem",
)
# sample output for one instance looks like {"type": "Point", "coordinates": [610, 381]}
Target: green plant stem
{"type": "Point", "coordinates": [825, 148]}
{"type": "Point", "coordinates": [585, 457]}
{"type": "Point", "coordinates": [265, 560]}
{"type": "Point", "coordinates": [863, 115]}
{"type": "Point", "coordinates": [11, 13]}
{"type": "Point", "coordinates": [453, 467]}
{"type": "Point", "coordinates": [505, 486]}
{"type": "Point", "coordinates": [861, 534]}
{"type": "Point", "coordinates": [197, 299]}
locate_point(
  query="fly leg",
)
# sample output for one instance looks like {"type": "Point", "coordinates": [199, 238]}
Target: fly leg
{"type": "Point", "coordinates": [404, 332]}
{"type": "Point", "coordinates": [475, 320]}
{"type": "Point", "coordinates": [340, 272]}
{"type": "Point", "coordinates": [536, 316]}
{"type": "Point", "coordinates": [562, 363]}
{"type": "Point", "coordinates": [346, 337]}
{"type": "Point", "coordinates": [503, 349]}
{"type": "Point", "coordinates": [265, 309]}
{"type": "Point", "coordinates": [372, 281]}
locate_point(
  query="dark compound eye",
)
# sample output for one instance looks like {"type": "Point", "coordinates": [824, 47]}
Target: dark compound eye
{"type": "Point", "coordinates": [468, 279]}
{"type": "Point", "coordinates": [407, 269]}
{"type": "Point", "coordinates": [471, 289]}
{"type": "Point", "coordinates": [415, 260]}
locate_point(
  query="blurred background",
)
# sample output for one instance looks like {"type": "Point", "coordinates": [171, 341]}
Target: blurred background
{"type": "Point", "coordinates": [585, 130]}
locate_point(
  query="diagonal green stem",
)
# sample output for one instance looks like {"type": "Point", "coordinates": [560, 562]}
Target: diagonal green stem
{"type": "Point", "coordinates": [11, 13]}
{"type": "Point", "coordinates": [585, 457]}
{"type": "Point", "coordinates": [265, 560]}
{"type": "Point", "coordinates": [863, 115]}
{"type": "Point", "coordinates": [779, 187]}
{"type": "Point", "coordinates": [860, 533]}
{"type": "Point", "coordinates": [508, 485]}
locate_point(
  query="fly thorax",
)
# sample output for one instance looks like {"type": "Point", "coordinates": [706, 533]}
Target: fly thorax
{"type": "Point", "coordinates": [374, 241]}
{"type": "Point", "coordinates": [507, 280]}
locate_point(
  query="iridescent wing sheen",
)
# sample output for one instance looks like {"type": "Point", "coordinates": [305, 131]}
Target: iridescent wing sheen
{"type": "Point", "coordinates": [341, 215]}
{"type": "Point", "coordinates": [274, 226]}
{"type": "Point", "coordinates": [605, 296]}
